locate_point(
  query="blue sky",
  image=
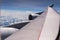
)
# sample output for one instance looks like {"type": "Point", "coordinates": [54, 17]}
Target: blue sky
{"type": "Point", "coordinates": [30, 5]}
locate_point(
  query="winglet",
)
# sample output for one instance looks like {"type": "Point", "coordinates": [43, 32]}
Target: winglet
{"type": "Point", "coordinates": [51, 5]}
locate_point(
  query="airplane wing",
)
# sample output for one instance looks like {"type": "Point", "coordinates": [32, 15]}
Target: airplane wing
{"type": "Point", "coordinates": [40, 13]}
{"type": "Point", "coordinates": [18, 25]}
{"type": "Point", "coordinates": [44, 27]}
{"type": "Point", "coordinates": [6, 31]}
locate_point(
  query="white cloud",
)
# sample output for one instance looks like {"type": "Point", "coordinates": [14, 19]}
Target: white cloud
{"type": "Point", "coordinates": [16, 13]}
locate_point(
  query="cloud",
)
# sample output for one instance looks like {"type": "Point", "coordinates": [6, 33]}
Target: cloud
{"type": "Point", "coordinates": [16, 14]}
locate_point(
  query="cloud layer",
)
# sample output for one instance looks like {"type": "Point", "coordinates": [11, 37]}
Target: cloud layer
{"type": "Point", "coordinates": [16, 14]}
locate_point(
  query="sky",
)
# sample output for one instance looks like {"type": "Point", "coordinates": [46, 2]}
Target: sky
{"type": "Point", "coordinates": [33, 6]}
{"type": "Point", "coordinates": [30, 5]}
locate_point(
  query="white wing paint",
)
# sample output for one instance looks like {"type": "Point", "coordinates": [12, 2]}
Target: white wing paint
{"type": "Point", "coordinates": [44, 27]}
